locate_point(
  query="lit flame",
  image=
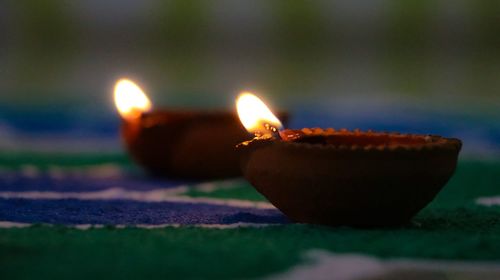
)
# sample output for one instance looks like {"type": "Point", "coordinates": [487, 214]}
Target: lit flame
{"type": "Point", "coordinates": [255, 115]}
{"type": "Point", "coordinates": [130, 100]}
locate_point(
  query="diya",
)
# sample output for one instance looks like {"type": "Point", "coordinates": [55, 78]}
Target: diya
{"type": "Point", "coordinates": [341, 177]}
{"type": "Point", "coordinates": [187, 144]}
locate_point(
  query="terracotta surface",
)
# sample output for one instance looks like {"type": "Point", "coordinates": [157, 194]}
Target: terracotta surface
{"type": "Point", "coordinates": [353, 178]}
{"type": "Point", "coordinates": [186, 144]}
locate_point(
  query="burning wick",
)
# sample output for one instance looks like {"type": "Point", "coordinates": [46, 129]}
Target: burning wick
{"type": "Point", "coordinates": [256, 117]}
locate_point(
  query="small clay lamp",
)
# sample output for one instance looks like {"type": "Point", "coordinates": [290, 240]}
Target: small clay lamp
{"type": "Point", "coordinates": [340, 177]}
{"type": "Point", "coordinates": [187, 144]}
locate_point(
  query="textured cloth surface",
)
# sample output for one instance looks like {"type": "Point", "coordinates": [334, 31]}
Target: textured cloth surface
{"type": "Point", "coordinates": [72, 205]}
{"type": "Point", "coordinates": [203, 238]}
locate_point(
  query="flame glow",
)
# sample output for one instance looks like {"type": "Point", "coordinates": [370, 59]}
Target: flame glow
{"type": "Point", "coordinates": [130, 100]}
{"type": "Point", "coordinates": [255, 115]}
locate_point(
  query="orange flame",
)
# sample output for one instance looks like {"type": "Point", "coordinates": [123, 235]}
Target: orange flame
{"type": "Point", "coordinates": [130, 100]}
{"type": "Point", "coordinates": [255, 115]}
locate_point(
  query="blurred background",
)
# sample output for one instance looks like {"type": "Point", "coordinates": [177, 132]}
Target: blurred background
{"type": "Point", "coordinates": [413, 66]}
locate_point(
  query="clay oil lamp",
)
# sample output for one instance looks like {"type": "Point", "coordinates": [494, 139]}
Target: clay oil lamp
{"type": "Point", "coordinates": [186, 144]}
{"type": "Point", "coordinates": [342, 177]}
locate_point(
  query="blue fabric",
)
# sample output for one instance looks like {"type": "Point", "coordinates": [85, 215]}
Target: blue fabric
{"type": "Point", "coordinates": [18, 181]}
{"type": "Point", "coordinates": [114, 212]}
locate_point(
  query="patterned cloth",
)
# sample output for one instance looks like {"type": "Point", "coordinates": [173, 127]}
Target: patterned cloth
{"type": "Point", "coordinates": [77, 212]}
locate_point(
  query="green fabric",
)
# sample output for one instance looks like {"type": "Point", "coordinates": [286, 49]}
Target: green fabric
{"type": "Point", "coordinates": [43, 160]}
{"type": "Point", "coordinates": [239, 190]}
{"type": "Point", "coordinates": [214, 253]}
